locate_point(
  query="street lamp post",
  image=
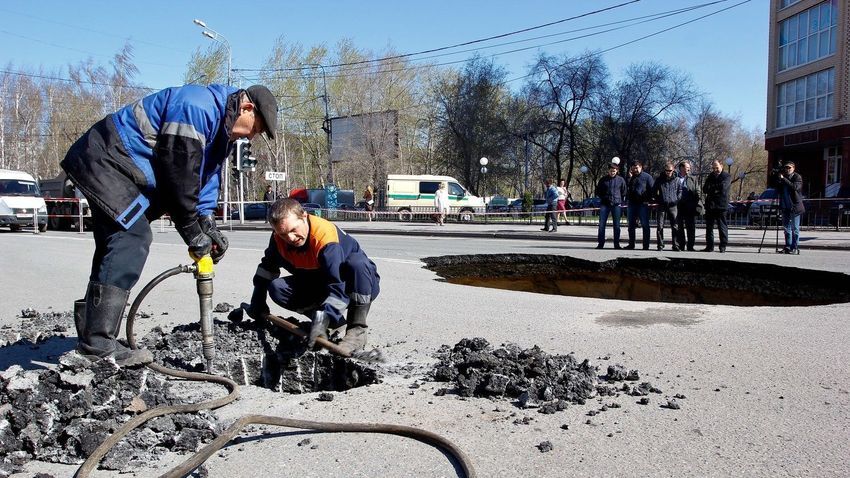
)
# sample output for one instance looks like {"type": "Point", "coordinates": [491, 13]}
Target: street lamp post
{"type": "Point", "coordinates": [729, 162]}
{"type": "Point", "coordinates": [218, 37]}
{"type": "Point", "coordinates": [483, 162]}
{"type": "Point", "coordinates": [741, 176]}
{"type": "Point", "coordinates": [583, 170]}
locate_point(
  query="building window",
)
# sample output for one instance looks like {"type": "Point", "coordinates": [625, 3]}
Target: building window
{"type": "Point", "coordinates": [833, 169]}
{"type": "Point", "coordinates": [787, 3]}
{"type": "Point", "coordinates": [809, 35]}
{"type": "Point", "coordinates": [806, 99]}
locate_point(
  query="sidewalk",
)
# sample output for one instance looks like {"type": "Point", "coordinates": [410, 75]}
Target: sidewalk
{"type": "Point", "coordinates": [813, 239]}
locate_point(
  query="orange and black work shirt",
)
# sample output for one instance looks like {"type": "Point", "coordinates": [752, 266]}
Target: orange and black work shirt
{"type": "Point", "coordinates": [318, 261]}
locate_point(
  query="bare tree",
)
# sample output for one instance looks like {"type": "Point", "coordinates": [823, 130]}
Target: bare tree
{"type": "Point", "coordinates": [561, 92]}
{"type": "Point", "coordinates": [636, 110]}
{"type": "Point", "coordinates": [469, 123]}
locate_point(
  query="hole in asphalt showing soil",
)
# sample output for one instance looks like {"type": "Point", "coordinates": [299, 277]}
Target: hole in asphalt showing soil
{"type": "Point", "coordinates": [62, 413]}
{"type": "Point", "coordinates": [672, 280]}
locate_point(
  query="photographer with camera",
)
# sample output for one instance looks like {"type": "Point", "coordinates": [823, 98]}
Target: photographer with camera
{"type": "Point", "coordinates": [789, 186]}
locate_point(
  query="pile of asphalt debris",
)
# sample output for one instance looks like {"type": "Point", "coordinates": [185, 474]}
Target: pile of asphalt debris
{"type": "Point", "coordinates": [260, 354]}
{"type": "Point", "coordinates": [36, 327]}
{"type": "Point", "coordinates": [532, 377]}
{"type": "Point", "coordinates": [62, 412]}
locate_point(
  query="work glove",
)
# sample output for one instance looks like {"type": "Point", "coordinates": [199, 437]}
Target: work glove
{"type": "Point", "coordinates": [219, 241]}
{"type": "Point", "coordinates": [200, 244]}
{"type": "Point", "coordinates": [319, 328]}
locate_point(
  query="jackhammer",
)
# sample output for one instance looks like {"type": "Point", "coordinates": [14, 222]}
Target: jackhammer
{"type": "Point", "coordinates": [204, 273]}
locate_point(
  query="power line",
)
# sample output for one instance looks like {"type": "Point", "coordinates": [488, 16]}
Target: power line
{"type": "Point", "coordinates": [76, 49]}
{"type": "Point", "coordinates": [442, 48]}
{"type": "Point", "coordinates": [89, 30]}
{"type": "Point", "coordinates": [57, 78]}
{"type": "Point", "coordinates": [600, 52]}
{"type": "Point", "coordinates": [344, 73]}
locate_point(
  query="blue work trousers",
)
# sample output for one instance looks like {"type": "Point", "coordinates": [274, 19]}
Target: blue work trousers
{"type": "Point", "coordinates": [635, 212]}
{"type": "Point", "coordinates": [615, 212]}
{"type": "Point", "coordinates": [791, 224]}
{"type": "Point", "coordinates": [304, 293]}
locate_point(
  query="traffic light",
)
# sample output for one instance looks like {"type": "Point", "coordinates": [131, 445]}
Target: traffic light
{"type": "Point", "coordinates": [245, 161]}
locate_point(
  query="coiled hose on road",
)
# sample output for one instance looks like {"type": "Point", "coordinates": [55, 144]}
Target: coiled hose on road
{"type": "Point", "coordinates": [231, 432]}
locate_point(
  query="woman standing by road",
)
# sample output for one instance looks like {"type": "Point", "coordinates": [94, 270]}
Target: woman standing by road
{"type": "Point", "coordinates": [369, 199]}
{"type": "Point", "coordinates": [441, 203]}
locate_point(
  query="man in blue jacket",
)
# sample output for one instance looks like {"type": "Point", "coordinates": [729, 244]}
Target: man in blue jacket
{"type": "Point", "coordinates": [640, 186]}
{"type": "Point", "coordinates": [163, 153]}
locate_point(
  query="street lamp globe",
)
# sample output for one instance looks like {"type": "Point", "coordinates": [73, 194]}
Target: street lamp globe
{"type": "Point", "coordinates": [583, 169]}
{"type": "Point", "coordinates": [483, 161]}
{"type": "Point", "coordinates": [729, 161]}
{"type": "Point", "coordinates": [615, 160]}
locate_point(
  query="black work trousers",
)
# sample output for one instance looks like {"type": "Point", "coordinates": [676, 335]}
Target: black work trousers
{"type": "Point", "coordinates": [666, 213]}
{"type": "Point", "coordinates": [718, 217]}
{"type": "Point", "coordinates": [686, 229]}
{"type": "Point", "coordinates": [119, 254]}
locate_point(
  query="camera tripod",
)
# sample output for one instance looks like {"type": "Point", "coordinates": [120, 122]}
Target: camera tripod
{"type": "Point", "coordinates": [767, 212]}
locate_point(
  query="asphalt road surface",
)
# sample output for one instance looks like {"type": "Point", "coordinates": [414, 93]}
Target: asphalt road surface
{"type": "Point", "coordinates": [768, 388]}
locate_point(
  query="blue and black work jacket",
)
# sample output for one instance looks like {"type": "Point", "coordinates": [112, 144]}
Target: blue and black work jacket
{"type": "Point", "coordinates": [320, 262]}
{"type": "Point", "coordinates": [162, 153]}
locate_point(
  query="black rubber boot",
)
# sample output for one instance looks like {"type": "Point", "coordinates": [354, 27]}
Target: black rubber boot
{"type": "Point", "coordinates": [104, 307]}
{"type": "Point", "coordinates": [355, 330]}
{"type": "Point", "coordinates": [80, 315]}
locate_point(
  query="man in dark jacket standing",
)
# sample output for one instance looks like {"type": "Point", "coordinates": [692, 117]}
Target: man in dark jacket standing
{"type": "Point", "coordinates": [716, 190]}
{"type": "Point", "coordinates": [789, 186]}
{"type": "Point", "coordinates": [611, 191]}
{"type": "Point", "coordinates": [163, 153]}
{"type": "Point", "coordinates": [668, 192]}
{"type": "Point", "coordinates": [687, 209]}
{"type": "Point", "coordinates": [640, 193]}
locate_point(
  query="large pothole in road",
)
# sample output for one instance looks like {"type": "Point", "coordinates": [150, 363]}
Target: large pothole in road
{"type": "Point", "coordinates": [671, 280]}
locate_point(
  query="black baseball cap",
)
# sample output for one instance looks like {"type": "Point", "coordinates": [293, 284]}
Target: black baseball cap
{"type": "Point", "coordinates": [264, 102]}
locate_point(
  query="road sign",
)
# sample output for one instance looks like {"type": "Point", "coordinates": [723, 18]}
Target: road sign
{"type": "Point", "coordinates": [275, 176]}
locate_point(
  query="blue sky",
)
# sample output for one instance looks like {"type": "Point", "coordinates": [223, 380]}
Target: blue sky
{"type": "Point", "coordinates": [725, 54]}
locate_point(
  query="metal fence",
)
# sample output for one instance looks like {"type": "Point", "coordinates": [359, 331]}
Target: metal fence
{"type": "Point", "coordinates": [831, 213]}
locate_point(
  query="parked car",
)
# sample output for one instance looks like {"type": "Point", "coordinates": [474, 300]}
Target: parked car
{"type": "Point", "coordinates": [765, 209]}
{"type": "Point", "coordinates": [590, 203]}
{"type": "Point", "coordinates": [253, 211]}
{"type": "Point", "coordinates": [498, 203]}
{"type": "Point", "coordinates": [839, 210]}
{"type": "Point", "coordinates": [539, 205]}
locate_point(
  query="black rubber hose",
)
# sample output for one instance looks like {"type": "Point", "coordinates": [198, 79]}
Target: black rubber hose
{"type": "Point", "coordinates": [202, 455]}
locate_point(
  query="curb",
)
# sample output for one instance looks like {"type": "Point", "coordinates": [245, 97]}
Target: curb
{"type": "Point", "coordinates": [521, 235]}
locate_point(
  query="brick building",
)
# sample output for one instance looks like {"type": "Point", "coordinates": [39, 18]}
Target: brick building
{"type": "Point", "coordinates": [807, 94]}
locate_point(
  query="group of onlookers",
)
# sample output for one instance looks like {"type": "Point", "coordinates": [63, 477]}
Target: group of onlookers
{"type": "Point", "coordinates": [678, 203]}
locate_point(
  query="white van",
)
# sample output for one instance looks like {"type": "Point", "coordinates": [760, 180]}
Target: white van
{"type": "Point", "coordinates": [20, 200]}
{"type": "Point", "coordinates": [408, 194]}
